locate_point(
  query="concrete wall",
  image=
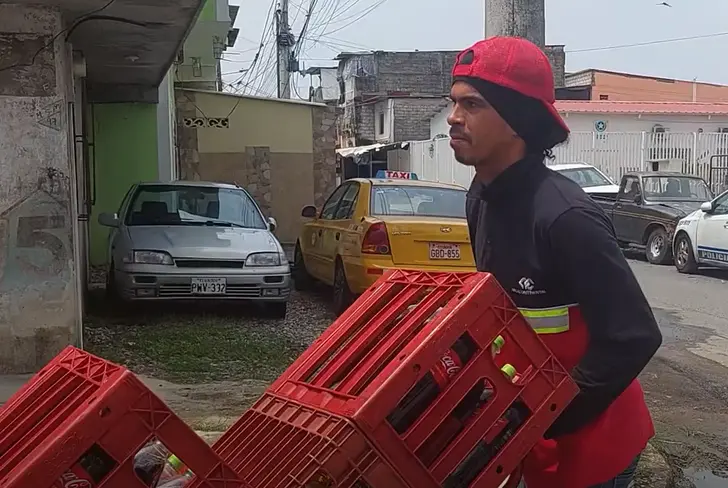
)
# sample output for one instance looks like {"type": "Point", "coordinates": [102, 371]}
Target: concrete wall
{"type": "Point", "coordinates": [557, 58]}
{"type": "Point", "coordinates": [635, 123]}
{"type": "Point", "coordinates": [282, 152]}
{"type": "Point", "coordinates": [125, 152]}
{"type": "Point", "coordinates": [39, 308]}
{"type": "Point", "coordinates": [412, 117]}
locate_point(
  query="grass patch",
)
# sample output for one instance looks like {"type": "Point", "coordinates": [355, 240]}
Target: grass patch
{"type": "Point", "coordinates": [192, 347]}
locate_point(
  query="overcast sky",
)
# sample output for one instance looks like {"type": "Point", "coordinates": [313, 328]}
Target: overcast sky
{"type": "Point", "coordinates": [391, 25]}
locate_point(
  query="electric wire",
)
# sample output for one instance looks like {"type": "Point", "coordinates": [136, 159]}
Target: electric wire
{"type": "Point", "coordinates": [69, 29]}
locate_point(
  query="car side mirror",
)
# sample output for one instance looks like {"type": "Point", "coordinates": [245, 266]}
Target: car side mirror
{"type": "Point", "coordinates": [309, 212]}
{"type": "Point", "coordinates": [272, 224]}
{"type": "Point", "coordinates": [707, 207]}
{"type": "Point", "coordinates": [638, 199]}
{"type": "Point", "coordinates": [109, 219]}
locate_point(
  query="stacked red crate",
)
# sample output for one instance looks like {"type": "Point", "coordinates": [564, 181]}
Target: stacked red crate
{"type": "Point", "coordinates": [79, 422]}
{"type": "Point", "coordinates": [406, 390]}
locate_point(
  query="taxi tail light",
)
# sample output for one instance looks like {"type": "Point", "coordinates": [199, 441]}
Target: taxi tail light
{"type": "Point", "coordinates": [376, 240]}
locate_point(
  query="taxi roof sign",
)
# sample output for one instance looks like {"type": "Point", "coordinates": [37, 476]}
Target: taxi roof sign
{"type": "Point", "coordinates": [401, 175]}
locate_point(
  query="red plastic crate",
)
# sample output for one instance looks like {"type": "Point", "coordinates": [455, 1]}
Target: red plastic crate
{"type": "Point", "coordinates": [281, 443]}
{"type": "Point", "coordinates": [328, 412]}
{"type": "Point", "coordinates": [80, 408]}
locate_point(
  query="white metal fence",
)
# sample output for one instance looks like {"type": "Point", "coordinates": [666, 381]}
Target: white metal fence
{"type": "Point", "coordinates": [615, 153]}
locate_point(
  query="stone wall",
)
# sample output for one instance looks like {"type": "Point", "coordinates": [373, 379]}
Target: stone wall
{"type": "Point", "coordinates": [39, 297]}
{"type": "Point", "coordinates": [324, 153]}
{"type": "Point", "coordinates": [188, 155]}
{"type": "Point", "coordinates": [257, 177]}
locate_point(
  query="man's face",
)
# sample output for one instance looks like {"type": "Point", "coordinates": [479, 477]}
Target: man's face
{"type": "Point", "coordinates": [477, 131]}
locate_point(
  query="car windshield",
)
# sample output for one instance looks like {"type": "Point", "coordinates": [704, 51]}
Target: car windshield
{"type": "Point", "coordinates": [675, 188]}
{"type": "Point", "coordinates": [193, 205]}
{"type": "Point", "coordinates": [418, 201]}
{"type": "Point", "coordinates": [586, 177]}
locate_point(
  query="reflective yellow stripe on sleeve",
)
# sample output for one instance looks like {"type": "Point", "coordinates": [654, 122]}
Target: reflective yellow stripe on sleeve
{"type": "Point", "coordinates": [547, 320]}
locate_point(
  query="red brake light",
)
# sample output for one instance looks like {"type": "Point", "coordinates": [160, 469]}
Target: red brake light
{"type": "Point", "coordinates": [376, 240]}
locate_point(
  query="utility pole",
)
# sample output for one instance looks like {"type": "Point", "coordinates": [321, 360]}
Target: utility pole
{"type": "Point", "coordinates": [285, 42]}
{"type": "Point", "coordinates": [518, 18]}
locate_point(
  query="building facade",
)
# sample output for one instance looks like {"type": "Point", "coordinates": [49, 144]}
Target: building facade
{"type": "Point", "coordinates": [238, 140]}
{"type": "Point", "coordinates": [198, 62]}
{"type": "Point", "coordinates": [656, 117]}
{"type": "Point", "coordinates": [392, 96]}
{"type": "Point", "coordinates": [152, 127]}
{"type": "Point", "coordinates": [614, 86]}
{"type": "Point", "coordinates": [604, 116]}
{"type": "Point", "coordinates": [70, 79]}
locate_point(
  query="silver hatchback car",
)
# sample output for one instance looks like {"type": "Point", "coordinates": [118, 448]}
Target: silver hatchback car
{"type": "Point", "coordinates": [195, 240]}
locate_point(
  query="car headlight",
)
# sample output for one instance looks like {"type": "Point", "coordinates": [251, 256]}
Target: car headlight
{"type": "Point", "coordinates": [150, 257]}
{"type": "Point", "coordinates": [263, 259]}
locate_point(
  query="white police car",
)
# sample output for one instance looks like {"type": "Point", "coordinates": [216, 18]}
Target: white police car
{"type": "Point", "coordinates": [701, 238]}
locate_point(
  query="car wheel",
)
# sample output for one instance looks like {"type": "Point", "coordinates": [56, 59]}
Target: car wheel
{"type": "Point", "coordinates": [112, 290]}
{"type": "Point", "coordinates": [343, 297]}
{"type": "Point", "coordinates": [277, 310]}
{"type": "Point", "coordinates": [658, 247]}
{"type": "Point", "coordinates": [302, 281]}
{"type": "Point", "coordinates": [684, 257]}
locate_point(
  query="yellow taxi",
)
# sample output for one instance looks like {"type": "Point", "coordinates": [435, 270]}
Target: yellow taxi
{"type": "Point", "coordinates": [369, 225]}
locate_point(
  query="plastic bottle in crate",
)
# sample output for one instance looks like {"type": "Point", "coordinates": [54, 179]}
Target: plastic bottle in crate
{"type": "Point", "coordinates": [468, 407]}
{"type": "Point", "coordinates": [178, 481]}
{"type": "Point", "coordinates": [429, 387]}
{"type": "Point", "coordinates": [174, 471]}
{"type": "Point", "coordinates": [93, 466]}
{"type": "Point", "coordinates": [484, 452]}
{"type": "Point", "coordinates": [149, 463]}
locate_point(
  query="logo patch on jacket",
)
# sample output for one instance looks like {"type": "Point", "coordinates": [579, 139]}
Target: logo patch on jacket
{"type": "Point", "coordinates": [526, 286]}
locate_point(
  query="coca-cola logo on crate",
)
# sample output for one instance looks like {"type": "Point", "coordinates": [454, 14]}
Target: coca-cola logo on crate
{"type": "Point", "coordinates": [451, 367]}
{"type": "Point", "coordinates": [70, 480]}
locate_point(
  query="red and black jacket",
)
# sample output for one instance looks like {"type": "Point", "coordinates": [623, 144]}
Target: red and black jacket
{"type": "Point", "coordinates": [554, 251]}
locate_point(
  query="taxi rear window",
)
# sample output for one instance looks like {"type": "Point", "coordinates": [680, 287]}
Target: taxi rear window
{"type": "Point", "coordinates": [417, 201]}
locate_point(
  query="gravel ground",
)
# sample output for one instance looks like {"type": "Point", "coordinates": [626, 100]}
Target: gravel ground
{"type": "Point", "coordinates": [204, 342]}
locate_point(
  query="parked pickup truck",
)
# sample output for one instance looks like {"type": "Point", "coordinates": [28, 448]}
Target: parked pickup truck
{"type": "Point", "coordinates": [648, 206]}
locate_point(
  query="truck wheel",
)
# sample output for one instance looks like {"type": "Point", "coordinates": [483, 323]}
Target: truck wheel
{"type": "Point", "coordinates": [684, 257]}
{"type": "Point", "coordinates": [658, 247]}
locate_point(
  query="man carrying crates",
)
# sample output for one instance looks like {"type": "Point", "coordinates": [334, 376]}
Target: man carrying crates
{"type": "Point", "coordinates": [555, 252]}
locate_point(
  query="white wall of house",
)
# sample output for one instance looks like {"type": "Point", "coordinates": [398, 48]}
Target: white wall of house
{"type": "Point", "coordinates": [438, 124]}
{"type": "Point", "coordinates": [330, 84]}
{"type": "Point", "coordinates": [166, 118]}
{"type": "Point", "coordinates": [384, 120]}
{"type": "Point", "coordinates": [586, 122]}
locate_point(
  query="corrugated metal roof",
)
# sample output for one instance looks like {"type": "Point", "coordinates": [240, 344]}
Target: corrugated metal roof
{"type": "Point", "coordinates": [667, 108]}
